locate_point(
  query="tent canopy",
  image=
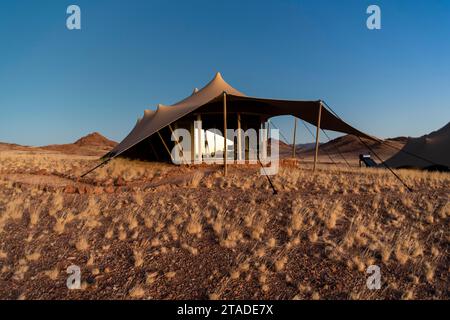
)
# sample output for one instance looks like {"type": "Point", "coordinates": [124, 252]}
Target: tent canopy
{"type": "Point", "coordinates": [210, 97]}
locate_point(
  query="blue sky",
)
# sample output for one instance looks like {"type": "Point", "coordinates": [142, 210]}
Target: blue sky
{"type": "Point", "coordinates": [57, 85]}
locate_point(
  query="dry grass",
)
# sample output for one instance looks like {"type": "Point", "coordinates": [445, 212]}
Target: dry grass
{"type": "Point", "coordinates": [138, 258]}
{"type": "Point", "coordinates": [82, 244]}
{"type": "Point", "coordinates": [168, 227]}
{"type": "Point", "coordinates": [137, 292]}
{"type": "Point", "coordinates": [52, 274]}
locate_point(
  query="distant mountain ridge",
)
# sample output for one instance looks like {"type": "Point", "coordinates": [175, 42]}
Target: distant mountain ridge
{"type": "Point", "coordinates": [348, 145]}
{"type": "Point", "coordinates": [430, 151]}
{"type": "Point", "coordinates": [93, 144]}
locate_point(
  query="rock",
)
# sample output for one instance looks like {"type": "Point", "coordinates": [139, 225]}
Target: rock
{"type": "Point", "coordinates": [98, 190]}
{"type": "Point", "coordinates": [69, 189]}
{"type": "Point", "coordinates": [109, 189]}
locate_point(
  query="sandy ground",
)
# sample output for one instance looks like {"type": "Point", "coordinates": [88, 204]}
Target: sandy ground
{"type": "Point", "coordinates": [154, 231]}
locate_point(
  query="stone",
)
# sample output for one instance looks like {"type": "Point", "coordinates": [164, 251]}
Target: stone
{"type": "Point", "coordinates": [109, 189]}
{"type": "Point", "coordinates": [69, 189]}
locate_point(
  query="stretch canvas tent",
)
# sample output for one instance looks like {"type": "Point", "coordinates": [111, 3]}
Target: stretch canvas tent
{"type": "Point", "coordinates": [210, 100]}
{"type": "Point", "coordinates": [430, 151]}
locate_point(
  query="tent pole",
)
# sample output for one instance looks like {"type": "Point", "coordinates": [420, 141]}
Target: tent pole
{"type": "Point", "coordinates": [266, 126]}
{"type": "Point", "coordinates": [215, 144]}
{"type": "Point", "coordinates": [266, 145]}
{"type": "Point", "coordinates": [165, 146]}
{"type": "Point", "coordinates": [199, 139]}
{"type": "Point", "coordinates": [192, 132]}
{"type": "Point", "coordinates": [293, 142]}
{"type": "Point", "coordinates": [225, 156]}
{"type": "Point", "coordinates": [316, 154]}
{"type": "Point", "coordinates": [239, 137]}
{"type": "Point", "coordinates": [262, 145]}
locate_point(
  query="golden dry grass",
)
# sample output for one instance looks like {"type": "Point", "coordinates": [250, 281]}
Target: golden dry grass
{"type": "Point", "coordinates": [144, 230]}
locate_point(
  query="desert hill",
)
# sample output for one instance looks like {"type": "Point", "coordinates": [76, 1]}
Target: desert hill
{"type": "Point", "coordinates": [353, 145]}
{"type": "Point", "coordinates": [349, 146]}
{"type": "Point", "coordinates": [95, 139]}
{"type": "Point", "coordinates": [433, 147]}
{"type": "Point", "coordinates": [93, 144]}
{"type": "Point", "coordinates": [12, 146]}
{"type": "Point", "coordinates": [286, 149]}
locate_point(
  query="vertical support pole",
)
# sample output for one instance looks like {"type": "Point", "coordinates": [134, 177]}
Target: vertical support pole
{"type": "Point", "coordinates": [316, 154]}
{"type": "Point", "coordinates": [262, 145]}
{"type": "Point", "coordinates": [239, 138]}
{"type": "Point", "coordinates": [192, 132]}
{"type": "Point", "coordinates": [294, 136]}
{"type": "Point", "coordinates": [199, 148]}
{"type": "Point", "coordinates": [206, 145]}
{"type": "Point", "coordinates": [215, 145]}
{"type": "Point", "coordinates": [268, 138]}
{"type": "Point", "coordinates": [225, 155]}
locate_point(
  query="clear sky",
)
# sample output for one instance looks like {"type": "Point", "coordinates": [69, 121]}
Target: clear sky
{"type": "Point", "coordinates": [57, 85]}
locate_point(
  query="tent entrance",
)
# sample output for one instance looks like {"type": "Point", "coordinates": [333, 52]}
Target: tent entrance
{"type": "Point", "coordinates": [206, 144]}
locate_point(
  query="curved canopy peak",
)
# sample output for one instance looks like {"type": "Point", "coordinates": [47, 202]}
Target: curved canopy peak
{"type": "Point", "coordinates": [212, 90]}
